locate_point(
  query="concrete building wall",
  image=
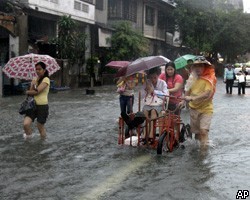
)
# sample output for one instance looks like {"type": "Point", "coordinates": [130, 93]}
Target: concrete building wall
{"type": "Point", "coordinates": [158, 36]}
{"type": "Point", "coordinates": [140, 16]}
{"type": "Point", "coordinates": [88, 44]}
{"type": "Point", "coordinates": [22, 21]}
{"type": "Point", "coordinates": [153, 31]}
{"type": "Point", "coordinates": [101, 15]}
{"type": "Point", "coordinates": [13, 46]}
{"type": "Point", "coordinates": [65, 7]}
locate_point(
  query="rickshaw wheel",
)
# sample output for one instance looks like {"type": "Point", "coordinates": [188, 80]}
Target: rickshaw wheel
{"type": "Point", "coordinates": [165, 142]}
{"type": "Point", "coordinates": [171, 141]}
{"type": "Point", "coordinates": [162, 146]}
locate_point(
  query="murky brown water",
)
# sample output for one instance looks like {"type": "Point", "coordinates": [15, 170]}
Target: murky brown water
{"type": "Point", "coordinates": [81, 158]}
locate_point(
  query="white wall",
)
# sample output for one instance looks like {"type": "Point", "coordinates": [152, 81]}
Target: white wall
{"type": "Point", "coordinates": [64, 7]}
{"type": "Point", "coordinates": [13, 45]}
{"type": "Point", "coordinates": [246, 5]}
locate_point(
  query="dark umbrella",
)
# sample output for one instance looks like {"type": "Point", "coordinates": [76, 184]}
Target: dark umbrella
{"type": "Point", "coordinates": [141, 64]}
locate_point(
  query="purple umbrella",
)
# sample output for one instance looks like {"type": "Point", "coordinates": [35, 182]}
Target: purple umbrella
{"type": "Point", "coordinates": [141, 64]}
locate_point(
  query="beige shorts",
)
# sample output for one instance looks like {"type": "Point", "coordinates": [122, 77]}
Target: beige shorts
{"type": "Point", "coordinates": [199, 121]}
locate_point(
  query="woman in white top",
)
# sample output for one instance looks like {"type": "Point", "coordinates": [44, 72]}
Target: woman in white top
{"type": "Point", "coordinates": [154, 92]}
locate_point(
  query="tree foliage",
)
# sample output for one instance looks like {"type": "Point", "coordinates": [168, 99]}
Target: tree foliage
{"type": "Point", "coordinates": [232, 37]}
{"type": "Point", "coordinates": [212, 29]}
{"type": "Point", "coordinates": [127, 44]}
{"type": "Point", "coordinates": [70, 41]}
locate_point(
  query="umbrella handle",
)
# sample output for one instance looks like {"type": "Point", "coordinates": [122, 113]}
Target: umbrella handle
{"type": "Point", "coordinates": [32, 64]}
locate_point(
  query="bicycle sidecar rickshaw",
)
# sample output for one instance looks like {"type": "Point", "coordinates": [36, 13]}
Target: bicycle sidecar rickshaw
{"type": "Point", "coordinates": [168, 130]}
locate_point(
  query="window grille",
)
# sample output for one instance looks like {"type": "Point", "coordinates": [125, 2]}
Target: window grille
{"type": "Point", "coordinates": [81, 6]}
{"type": "Point", "coordinates": [85, 8]}
{"type": "Point", "coordinates": [130, 10]}
{"type": "Point", "coordinates": [122, 9]}
{"type": "Point", "coordinates": [52, 1]}
{"type": "Point", "coordinates": [89, 1]}
{"type": "Point", "coordinates": [161, 20]}
{"type": "Point", "coordinates": [77, 5]}
{"type": "Point", "coordinates": [115, 9]}
{"type": "Point", "coordinates": [150, 14]}
{"type": "Point", "coordinates": [99, 5]}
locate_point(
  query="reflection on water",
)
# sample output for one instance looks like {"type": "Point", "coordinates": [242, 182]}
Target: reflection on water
{"type": "Point", "coordinates": [81, 159]}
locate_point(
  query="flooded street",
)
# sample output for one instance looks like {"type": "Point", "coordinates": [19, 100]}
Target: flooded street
{"type": "Point", "coordinates": [81, 160]}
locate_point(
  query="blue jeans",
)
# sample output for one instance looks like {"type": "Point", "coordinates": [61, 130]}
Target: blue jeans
{"type": "Point", "coordinates": [126, 103]}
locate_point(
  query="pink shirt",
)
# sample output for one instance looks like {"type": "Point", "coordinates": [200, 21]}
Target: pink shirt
{"type": "Point", "coordinates": [171, 83]}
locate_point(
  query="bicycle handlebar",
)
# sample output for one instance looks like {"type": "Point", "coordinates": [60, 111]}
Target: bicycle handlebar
{"type": "Point", "coordinates": [171, 96]}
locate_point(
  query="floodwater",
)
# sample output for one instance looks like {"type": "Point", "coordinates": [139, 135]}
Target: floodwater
{"type": "Point", "coordinates": [81, 159]}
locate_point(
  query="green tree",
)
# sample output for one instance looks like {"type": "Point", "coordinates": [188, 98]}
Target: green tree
{"type": "Point", "coordinates": [70, 41]}
{"type": "Point", "coordinates": [65, 40]}
{"type": "Point", "coordinates": [210, 26]}
{"type": "Point", "coordinates": [232, 37]}
{"type": "Point", "coordinates": [7, 6]}
{"type": "Point", "coordinates": [196, 23]}
{"type": "Point", "coordinates": [126, 43]}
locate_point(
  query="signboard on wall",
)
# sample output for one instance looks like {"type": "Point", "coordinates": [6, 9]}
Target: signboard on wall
{"type": "Point", "coordinates": [103, 35]}
{"type": "Point", "coordinates": [176, 39]}
{"type": "Point", "coordinates": [169, 38]}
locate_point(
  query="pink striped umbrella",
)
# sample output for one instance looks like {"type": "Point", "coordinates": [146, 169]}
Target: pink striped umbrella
{"type": "Point", "coordinates": [23, 67]}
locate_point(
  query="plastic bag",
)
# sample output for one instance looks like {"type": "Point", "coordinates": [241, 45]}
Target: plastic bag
{"type": "Point", "coordinates": [241, 79]}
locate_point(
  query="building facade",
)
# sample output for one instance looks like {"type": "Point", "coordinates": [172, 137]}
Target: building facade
{"type": "Point", "coordinates": [36, 23]}
{"type": "Point", "coordinates": [152, 18]}
{"type": "Point", "coordinates": [33, 23]}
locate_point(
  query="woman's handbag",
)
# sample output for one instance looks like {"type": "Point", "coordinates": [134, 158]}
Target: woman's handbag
{"type": "Point", "coordinates": [27, 105]}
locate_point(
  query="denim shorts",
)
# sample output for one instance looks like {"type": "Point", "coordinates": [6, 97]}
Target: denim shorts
{"type": "Point", "coordinates": [41, 113]}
